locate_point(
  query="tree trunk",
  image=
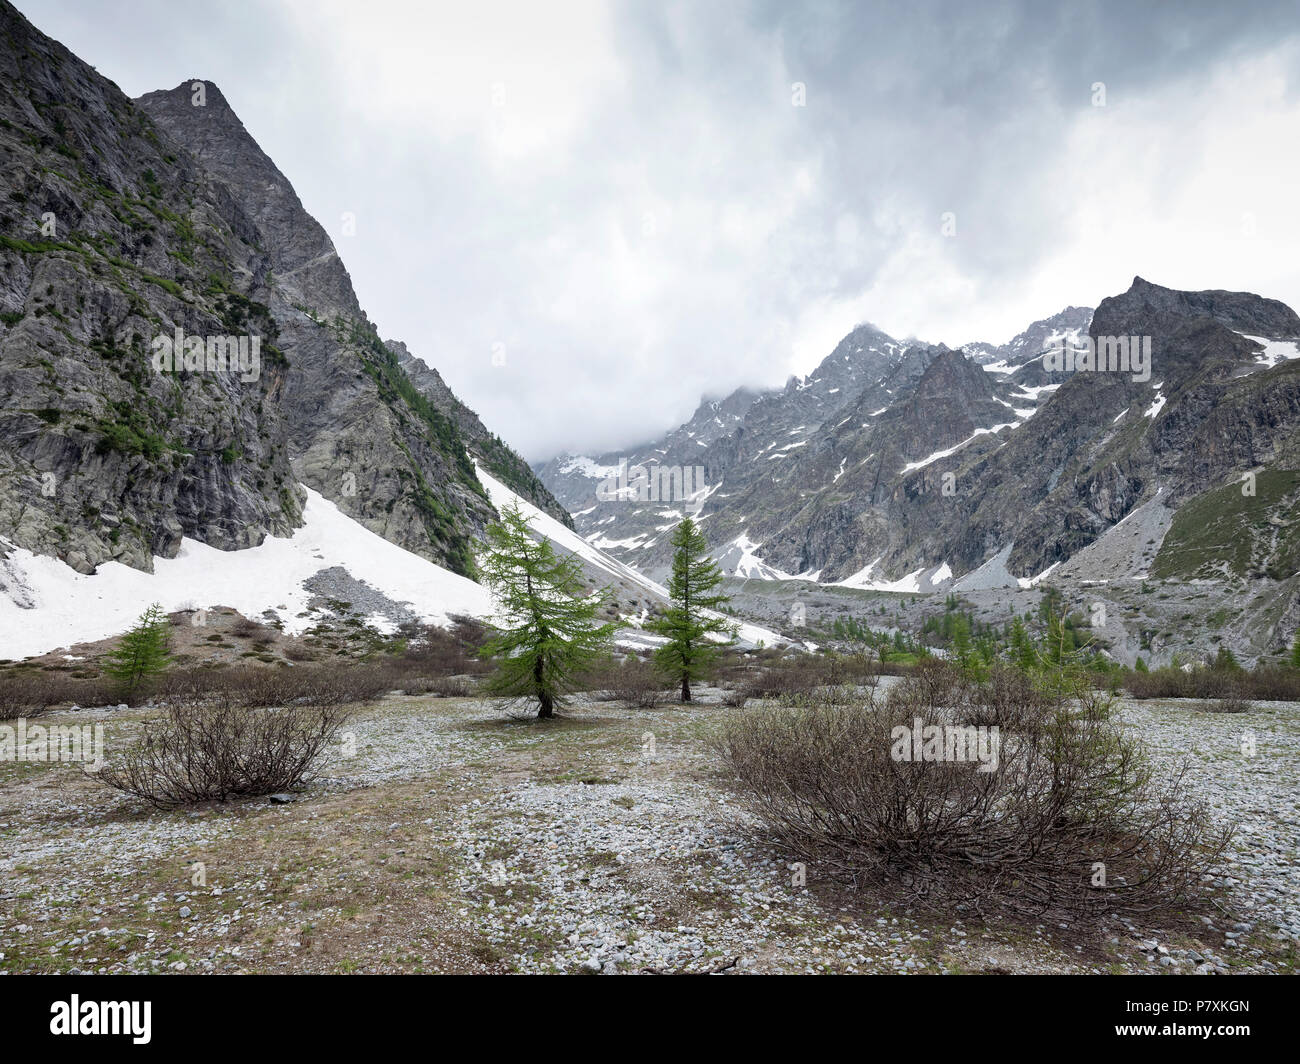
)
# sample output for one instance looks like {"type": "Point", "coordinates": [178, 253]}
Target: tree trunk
{"type": "Point", "coordinates": [546, 709]}
{"type": "Point", "coordinates": [686, 687]}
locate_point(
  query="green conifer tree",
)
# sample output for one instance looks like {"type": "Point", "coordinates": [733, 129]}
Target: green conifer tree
{"type": "Point", "coordinates": [546, 632]}
{"type": "Point", "coordinates": [691, 647]}
{"type": "Point", "coordinates": [142, 653]}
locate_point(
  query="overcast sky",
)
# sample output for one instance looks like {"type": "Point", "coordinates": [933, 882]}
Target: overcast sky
{"type": "Point", "coordinates": [631, 205]}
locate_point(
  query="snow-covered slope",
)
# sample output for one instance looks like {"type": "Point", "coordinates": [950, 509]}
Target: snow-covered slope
{"type": "Point", "coordinates": [45, 604]}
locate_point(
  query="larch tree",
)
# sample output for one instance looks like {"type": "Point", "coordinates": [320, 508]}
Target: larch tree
{"type": "Point", "coordinates": [690, 625]}
{"type": "Point", "coordinates": [142, 653]}
{"type": "Point", "coordinates": [545, 629]}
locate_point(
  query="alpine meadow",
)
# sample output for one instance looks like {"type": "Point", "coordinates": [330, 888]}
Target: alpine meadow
{"type": "Point", "coordinates": [633, 487]}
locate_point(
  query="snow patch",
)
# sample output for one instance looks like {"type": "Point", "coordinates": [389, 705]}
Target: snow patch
{"type": "Point", "coordinates": [1275, 351]}
{"type": "Point", "coordinates": [911, 466]}
{"type": "Point", "coordinates": [46, 604]}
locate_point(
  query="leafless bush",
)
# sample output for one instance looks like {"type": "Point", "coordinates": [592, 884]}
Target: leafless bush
{"type": "Point", "coordinates": [29, 693]}
{"type": "Point", "coordinates": [639, 684]}
{"type": "Point", "coordinates": [791, 675]}
{"type": "Point", "coordinates": [442, 686]}
{"type": "Point", "coordinates": [211, 747]}
{"type": "Point", "coordinates": [435, 651]}
{"type": "Point", "coordinates": [800, 673]}
{"type": "Point", "coordinates": [246, 628]}
{"type": "Point", "coordinates": [97, 691]}
{"type": "Point", "coordinates": [1071, 799]}
{"type": "Point", "coordinates": [1270, 683]}
{"type": "Point", "coordinates": [1262, 684]}
{"type": "Point", "coordinates": [252, 685]}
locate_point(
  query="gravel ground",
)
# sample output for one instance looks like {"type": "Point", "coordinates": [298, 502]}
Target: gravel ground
{"type": "Point", "coordinates": [455, 839]}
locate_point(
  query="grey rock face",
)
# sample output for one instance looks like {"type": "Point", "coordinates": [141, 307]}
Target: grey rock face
{"type": "Point", "coordinates": [488, 448]}
{"type": "Point", "coordinates": [110, 236]}
{"type": "Point", "coordinates": [722, 450]}
{"type": "Point", "coordinates": [397, 467]}
{"type": "Point", "coordinates": [126, 221]}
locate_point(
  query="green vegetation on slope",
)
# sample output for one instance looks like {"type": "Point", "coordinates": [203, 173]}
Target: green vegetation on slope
{"type": "Point", "coordinates": [1227, 532]}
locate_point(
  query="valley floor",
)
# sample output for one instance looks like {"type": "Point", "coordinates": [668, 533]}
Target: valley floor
{"type": "Point", "coordinates": [459, 840]}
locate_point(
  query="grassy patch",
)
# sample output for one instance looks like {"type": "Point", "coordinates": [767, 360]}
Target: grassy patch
{"type": "Point", "coordinates": [1223, 531]}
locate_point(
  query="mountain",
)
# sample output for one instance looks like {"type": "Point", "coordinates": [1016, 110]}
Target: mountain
{"type": "Point", "coordinates": [993, 467]}
{"type": "Point", "coordinates": [618, 509]}
{"type": "Point", "coordinates": [574, 478]}
{"type": "Point", "coordinates": [486, 447]}
{"type": "Point", "coordinates": [785, 470]}
{"type": "Point", "coordinates": [133, 223]}
{"type": "Point", "coordinates": [1069, 324]}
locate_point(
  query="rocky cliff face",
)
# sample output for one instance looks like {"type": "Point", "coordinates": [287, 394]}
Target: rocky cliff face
{"type": "Point", "coordinates": [486, 447]}
{"type": "Point", "coordinates": [112, 235]}
{"type": "Point", "coordinates": [130, 221]}
{"type": "Point", "coordinates": [373, 428]}
{"type": "Point", "coordinates": [722, 452]}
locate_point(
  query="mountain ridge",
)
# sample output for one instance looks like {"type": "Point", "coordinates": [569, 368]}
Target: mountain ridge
{"type": "Point", "coordinates": [132, 221]}
{"type": "Point", "coordinates": [868, 488]}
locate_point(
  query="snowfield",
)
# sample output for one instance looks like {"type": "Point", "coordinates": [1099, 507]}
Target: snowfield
{"type": "Point", "coordinates": [912, 466]}
{"type": "Point", "coordinates": [913, 583]}
{"type": "Point", "coordinates": [45, 604]}
{"type": "Point", "coordinates": [1275, 351]}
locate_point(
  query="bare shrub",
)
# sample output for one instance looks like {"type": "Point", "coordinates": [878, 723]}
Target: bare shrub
{"type": "Point", "coordinates": [246, 628]}
{"type": "Point", "coordinates": [791, 675]}
{"type": "Point", "coordinates": [452, 686]}
{"type": "Point", "coordinates": [1070, 794]}
{"type": "Point", "coordinates": [1266, 683]}
{"type": "Point", "coordinates": [252, 685]}
{"type": "Point", "coordinates": [798, 672]}
{"type": "Point", "coordinates": [88, 691]}
{"type": "Point", "coordinates": [442, 686]}
{"type": "Point", "coordinates": [1270, 683]}
{"type": "Point", "coordinates": [638, 683]}
{"type": "Point", "coordinates": [29, 694]}
{"type": "Point", "coordinates": [435, 651]}
{"type": "Point", "coordinates": [212, 748]}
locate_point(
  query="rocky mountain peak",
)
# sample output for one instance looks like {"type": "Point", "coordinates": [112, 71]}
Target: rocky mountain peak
{"type": "Point", "coordinates": [301, 254]}
{"type": "Point", "coordinates": [1242, 312]}
{"type": "Point", "coordinates": [172, 220]}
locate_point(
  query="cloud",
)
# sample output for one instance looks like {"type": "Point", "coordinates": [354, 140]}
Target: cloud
{"type": "Point", "coordinates": [639, 204]}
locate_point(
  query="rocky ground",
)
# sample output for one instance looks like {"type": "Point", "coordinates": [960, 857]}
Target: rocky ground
{"type": "Point", "coordinates": [454, 838]}
{"type": "Point", "coordinates": [1161, 621]}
